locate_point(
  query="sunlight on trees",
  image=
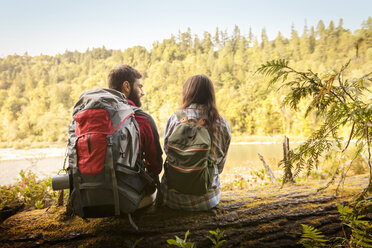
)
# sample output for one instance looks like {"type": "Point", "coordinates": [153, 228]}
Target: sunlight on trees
{"type": "Point", "coordinates": [37, 94]}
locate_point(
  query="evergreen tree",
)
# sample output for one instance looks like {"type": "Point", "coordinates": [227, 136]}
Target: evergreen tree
{"type": "Point", "coordinates": [340, 102]}
{"type": "Point", "coordinates": [34, 88]}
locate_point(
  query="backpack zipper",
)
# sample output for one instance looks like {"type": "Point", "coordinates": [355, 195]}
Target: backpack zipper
{"type": "Point", "coordinates": [188, 150]}
{"type": "Point", "coordinates": [187, 169]}
{"type": "Point", "coordinates": [89, 148]}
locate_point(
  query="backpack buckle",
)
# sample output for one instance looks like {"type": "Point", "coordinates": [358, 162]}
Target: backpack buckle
{"type": "Point", "coordinates": [109, 140]}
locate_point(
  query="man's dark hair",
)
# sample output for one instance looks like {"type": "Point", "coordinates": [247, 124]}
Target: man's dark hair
{"type": "Point", "coordinates": [120, 74]}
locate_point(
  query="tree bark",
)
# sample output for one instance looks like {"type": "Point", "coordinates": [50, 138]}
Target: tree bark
{"type": "Point", "coordinates": [269, 216]}
{"type": "Point", "coordinates": [288, 177]}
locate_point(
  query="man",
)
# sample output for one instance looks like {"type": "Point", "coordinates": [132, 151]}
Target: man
{"type": "Point", "coordinates": [126, 79]}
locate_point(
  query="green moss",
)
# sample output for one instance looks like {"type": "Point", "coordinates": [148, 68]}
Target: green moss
{"type": "Point", "coordinates": [53, 224]}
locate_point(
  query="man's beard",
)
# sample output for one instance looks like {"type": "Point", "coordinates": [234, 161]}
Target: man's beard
{"type": "Point", "coordinates": [135, 99]}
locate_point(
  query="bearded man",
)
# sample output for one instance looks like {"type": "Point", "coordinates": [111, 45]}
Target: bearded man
{"type": "Point", "coordinates": [126, 80]}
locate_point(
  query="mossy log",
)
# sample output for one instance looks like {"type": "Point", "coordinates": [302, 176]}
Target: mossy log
{"type": "Point", "coordinates": [269, 216]}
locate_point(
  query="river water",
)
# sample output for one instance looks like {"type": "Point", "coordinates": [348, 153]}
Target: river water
{"type": "Point", "coordinates": [48, 161]}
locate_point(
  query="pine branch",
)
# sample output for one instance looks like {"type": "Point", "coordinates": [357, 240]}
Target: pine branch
{"type": "Point", "coordinates": [339, 104]}
{"type": "Point", "coordinates": [344, 173]}
{"type": "Point", "coordinates": [332, 179]}
{"type": "Point", "coordinates": [340, 81]}
{"type": "Point", "coordinates": [311, 80]}
{"type": "Point", "coordinates": [318, 142]}
{"type": "Point", "coordinates": [350, 136]}
{"type": "Point", "coordinates": [275, 66]}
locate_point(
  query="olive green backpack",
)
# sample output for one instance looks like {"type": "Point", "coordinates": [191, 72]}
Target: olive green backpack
{"type": "Point", "coordinates": [188, 167]}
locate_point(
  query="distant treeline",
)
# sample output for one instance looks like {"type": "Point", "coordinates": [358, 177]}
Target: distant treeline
{"type": "Point", "coordinates": [37, 93]}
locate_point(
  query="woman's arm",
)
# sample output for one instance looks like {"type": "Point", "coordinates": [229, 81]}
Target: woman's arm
{"type": "Point", "coordinates": [224, 139]}
{"type": "Point", "coordinates": [171, 123]}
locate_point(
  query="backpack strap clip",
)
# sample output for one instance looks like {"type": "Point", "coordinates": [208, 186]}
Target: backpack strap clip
{"type": "Point", "coordinates": [109, 140]}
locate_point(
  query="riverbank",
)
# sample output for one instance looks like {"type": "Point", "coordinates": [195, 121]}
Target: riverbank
{"type": "Point", "coordinates": [44, 162]}
{"type": "Point", "coordinates": [7, 154]}
{"type": "Point", "coordinates": [264, 139]}
{"type": "Point", "coordinates": [236, 139]}
{"type": "Point", "coordinates": [242, 160]}
{"type": "Point", "coordinates": [26, 145]}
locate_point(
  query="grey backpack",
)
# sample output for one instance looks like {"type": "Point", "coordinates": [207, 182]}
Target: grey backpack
{"type": "Point", "coordinates": [106, 178]}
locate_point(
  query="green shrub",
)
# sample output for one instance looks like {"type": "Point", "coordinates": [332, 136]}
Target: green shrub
{"type": "Point", "coordinates": [361, 232]}
{"type": "Point", "coordinates": [181, 242]}
{"type": "Point", "coordinates": [31, 191]}
{"type": "Point", "coordinates": [216, 238]}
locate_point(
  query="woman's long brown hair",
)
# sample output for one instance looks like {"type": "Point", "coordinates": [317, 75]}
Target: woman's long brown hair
{"type": "Point", "coordinates": [199, 89]}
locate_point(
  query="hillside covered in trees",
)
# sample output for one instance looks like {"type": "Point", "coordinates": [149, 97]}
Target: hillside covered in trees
{"type": "Point", "coordinates": [37, 94]}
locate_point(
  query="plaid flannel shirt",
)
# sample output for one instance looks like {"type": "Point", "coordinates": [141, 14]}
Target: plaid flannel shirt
{"type": "Point", "coordinates": [219, 148]}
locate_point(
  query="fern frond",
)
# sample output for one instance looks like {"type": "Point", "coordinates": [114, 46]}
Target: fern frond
{"type": "Point", "coordinates": [361, 238]}
{"type": "Point", "coordinates": [311, 237]}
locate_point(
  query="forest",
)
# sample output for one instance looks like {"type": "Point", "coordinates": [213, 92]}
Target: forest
{"type": "Point", "coordinates": [37, 93]}
{"type": "Point", "coordinates": [314, 86]}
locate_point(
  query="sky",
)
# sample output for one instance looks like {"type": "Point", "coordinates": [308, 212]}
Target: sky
{"type": "Point", "coordinates": [51, 27]}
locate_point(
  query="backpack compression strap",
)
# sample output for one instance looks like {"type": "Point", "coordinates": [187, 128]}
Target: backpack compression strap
{"type": "Point", "coordinates": [110, 163]}
{"type": "Point", "coordinates": [75, 178]}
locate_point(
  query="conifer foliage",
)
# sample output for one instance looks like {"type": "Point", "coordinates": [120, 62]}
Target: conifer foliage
{"type": "Point", "coordinates": [37, 93]}
{"type": "Point", "coordinates": [338, 101]}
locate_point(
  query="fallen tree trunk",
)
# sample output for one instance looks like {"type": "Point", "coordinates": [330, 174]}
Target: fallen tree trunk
{"type": "Point", "coordinates": [266, 217]}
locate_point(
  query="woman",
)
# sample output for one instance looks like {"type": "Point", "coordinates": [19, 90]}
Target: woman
{"type": "Point", "coordinates": [199, 103]}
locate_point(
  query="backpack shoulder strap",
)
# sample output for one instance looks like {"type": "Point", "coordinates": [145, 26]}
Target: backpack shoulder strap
{"type": "Point", "coordinates": [180, 114]}
{"type": "Point", "coordinates": [134, 108]}
{"type": "Point", "coordinates": [182, 117]}
{"type": "Point", "coordinates": [141, 165]}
